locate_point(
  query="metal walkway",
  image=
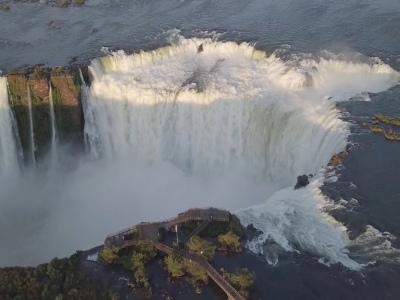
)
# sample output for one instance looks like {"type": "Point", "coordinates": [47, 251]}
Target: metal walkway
{"type": "Point", "coordinates": [149, 231]}
{"type": "Point", "coordinates": [231, 292]}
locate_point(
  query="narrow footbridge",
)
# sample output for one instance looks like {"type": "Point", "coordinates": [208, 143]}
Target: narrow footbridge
{"type": "Point", "coordinates": [230, 291]}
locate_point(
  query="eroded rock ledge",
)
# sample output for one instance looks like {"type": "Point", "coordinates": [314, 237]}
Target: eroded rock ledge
{"type": "Point", "coordinates": [65, 87]}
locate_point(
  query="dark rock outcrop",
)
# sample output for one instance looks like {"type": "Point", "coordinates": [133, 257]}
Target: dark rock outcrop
{"type": "Point", "coordinates": [200, 48]}
{"type": "Point", "coordinates": [251, 228]}
{"type": "Point", "coordinates": [302, 181]}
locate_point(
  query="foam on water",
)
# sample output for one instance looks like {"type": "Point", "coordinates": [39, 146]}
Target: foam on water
{"type": "Point", "coordinates": [293, 218]}
{"type": "Point", "coordinates": [211, 108]}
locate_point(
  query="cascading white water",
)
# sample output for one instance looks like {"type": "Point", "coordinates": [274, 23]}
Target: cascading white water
{"type": "Point", "coordinates": [8, 148]}
{"type": "Point", "coordinates": [230, 108]}
{"type": "Point", "coordinates": [89, 118]}
{"type": "Point", "coordinates": [53, 126]}
{"type": "Point", "coordinates": [31, 133]}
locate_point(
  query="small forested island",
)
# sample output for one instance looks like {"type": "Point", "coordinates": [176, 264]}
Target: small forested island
{"type": "Point", "coordinates": [130, 263]}
{"type": "Point", "coordinates": [386, 126]}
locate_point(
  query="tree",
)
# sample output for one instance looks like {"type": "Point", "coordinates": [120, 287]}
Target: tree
{"type": "Point", "coordinates": [109, 254]}
{"type": "Point", "coordinates": [137, 260]}
{"type": "Point", "coordinates": [195, 272]}
{"type": "Point", "coordinates": [201, 247]}
{"type": "Point", "coordinates": [242, 280]}
{"type": "Point", "coordinates": [229, 241]}
{"type": "Point", "coordinates": [175, 265]}
{"type": "Point", "coordinates": [147, 249]}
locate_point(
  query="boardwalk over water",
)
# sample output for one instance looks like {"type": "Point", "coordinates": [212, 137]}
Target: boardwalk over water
{"type": "Point", "coordinates": [149, 231]}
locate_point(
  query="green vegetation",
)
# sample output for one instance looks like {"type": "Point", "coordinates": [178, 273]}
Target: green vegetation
{"type": "Point", "coordinates": [60, 71]}
{"type": "Point", "coordinates": [392, 135]}
{"type": "Point", "coordinates": [375, 128]}
{"type": "Point", "coordinates": [230, 242]}
{"type": "Point", "coordinates": [17, 72]}
{"type": "Point", "coordinates": [5, 7]}
{"type": "Point", "coordinates": [38, 73]}
{"type": "Point", "coordinates": [242, 280]}
{"type": "Point", "coordinates": [201, 247]}
{"type": "Point", "coordinates": [109, 255]}
{"type": "Point", "coordinates": [66, 3]}
{"type": "Point", "coordinates": [175, 265]}
{"type": "Point", "coordinates": [143, 252]}
{"type": "Point", "coordinates": [195, 272]}
{"type": "Point", "coordinates": [178, 267]}
{"type": "Point", "coordinates": [387, 119]}
{"type": "Point", "coordinates": [59, 279]}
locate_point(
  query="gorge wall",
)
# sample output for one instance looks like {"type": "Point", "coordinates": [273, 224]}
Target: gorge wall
{"type": "Point", "coordinates": [64, 83]}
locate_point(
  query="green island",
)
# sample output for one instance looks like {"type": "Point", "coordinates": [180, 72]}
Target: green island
{"type": "Point", "coordinates": [204, 231]}
{"type": "Point", "coordinates": [184, 247]}
{"type": "Point", "coordinates": [4, 7]}
{"type": "Point", "coordinates": [378, 127]}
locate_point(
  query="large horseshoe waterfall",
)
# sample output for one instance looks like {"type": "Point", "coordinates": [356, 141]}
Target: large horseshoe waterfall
{"type": "Point", "coordinates": [195, 123]}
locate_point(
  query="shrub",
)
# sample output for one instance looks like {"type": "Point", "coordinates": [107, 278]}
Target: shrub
{"type": "Point", "coordinates": [175, 265]}
{"type": "Point", "coordinates": [235, 226]}
{"type": "Point", "coordinates": [4, 7]}
{"type": "Point", "coordinates": [242, 280]}
{"type": "Point", "coordinates": [147, 249]}
{"type": "Point", "coordinates": [195, 272]}
{"type": "Point", "coordinates": [109, 255]}
{"type": "Point", "coordinates": [201, 247]}
{"type": "Point", "coordinates": [229, 241]}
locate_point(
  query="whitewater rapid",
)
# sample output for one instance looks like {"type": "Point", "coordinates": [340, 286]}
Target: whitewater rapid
{"type": "Point", "coordinates": [215, 108]}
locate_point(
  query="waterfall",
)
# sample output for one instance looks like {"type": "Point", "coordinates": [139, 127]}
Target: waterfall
{"type": "Point", "coordinates": [232, 110]}
{"type": "Point", "coordinates": [9, 162]}
{"type": "Point", "coordinates": [31, 133]}
{"type": "Point", "coordinates": [89, 131]}
{"type": "Point", "coordinates": [228, 106]}
{"type": "Point", "coordinates": [53, 126]}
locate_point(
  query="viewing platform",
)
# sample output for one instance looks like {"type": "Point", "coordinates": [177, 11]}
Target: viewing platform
{"type": "Point", "coordinates": [149, 231]}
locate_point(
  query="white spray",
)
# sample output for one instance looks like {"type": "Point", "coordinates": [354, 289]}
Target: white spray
{"type": "Point", "coordinates": [53, 127]}
{"type": "Point", "coordinates": [229, 109]}
{"type": "Point", "coordinates": [8, 148]}
{"type": "Point", "coordinates": [31, 133]}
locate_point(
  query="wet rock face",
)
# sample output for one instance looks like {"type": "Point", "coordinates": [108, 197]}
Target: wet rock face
{"type": "Point", "coordinates": [337, 159]}
{"type": "Point", "coordinates": [67, 103]}
{"type": "Point", "coordinates": [18, 98]}
{"type": "Point", "coordinates": [65, 85]}
{"type": "Point", "coordinates": [302, 181]}
{"type": "Point", "coordinates": [39, 90]}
